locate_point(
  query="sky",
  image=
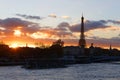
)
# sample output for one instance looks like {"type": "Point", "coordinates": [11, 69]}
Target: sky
{"type": "Point", "coordinates": [44, 21]}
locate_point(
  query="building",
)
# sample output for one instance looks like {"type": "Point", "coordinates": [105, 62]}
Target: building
{"type": "Point", "coordinates": [80, 49]}
{"type": "Point", "coordinates": [82, 42]}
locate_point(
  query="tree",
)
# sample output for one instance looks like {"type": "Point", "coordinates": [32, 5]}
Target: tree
{"type": "Point", "coordinates": [59, 42]}
{"type": "Point", "coordinates": [57, 48]}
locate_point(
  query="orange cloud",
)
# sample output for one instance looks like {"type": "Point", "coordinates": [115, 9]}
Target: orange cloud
{"type": "Point", "coordinates": [65, 17]}
{"type": "Point", "coordinates": [52, 15]}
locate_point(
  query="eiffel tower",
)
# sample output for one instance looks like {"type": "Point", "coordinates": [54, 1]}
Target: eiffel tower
{"type": "Point", "coordinates": [82, 42]}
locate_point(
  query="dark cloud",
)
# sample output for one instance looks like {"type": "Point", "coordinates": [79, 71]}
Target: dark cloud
{"type": "Point", "coordinates": [63, 24]}
{"type": "Point", "coordinates": [63, 34]}
{"type": "Point", "coordinates": [31, 28]}
{"type": "Point", "coordinates": [75, 28]}
{"type": "Point", "coordinates": [29, 16]}
{"type": "Point", "coordinates": [62, 29]}
{"type": "Point", "coordinates": [11, 23]}
{"type": "Point", "coordinates": [56, 32]}
{"type": "Point", "coordinates": [114, 22]}
{"type": "Point", "coordinates": [89, 25]}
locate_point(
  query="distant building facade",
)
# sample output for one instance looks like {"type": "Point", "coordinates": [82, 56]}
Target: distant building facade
{"type": "Point", "coordinates": [71, 50]}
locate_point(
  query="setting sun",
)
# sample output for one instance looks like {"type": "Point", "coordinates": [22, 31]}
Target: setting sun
{"type": "Point", "coordinates": [14, 45]}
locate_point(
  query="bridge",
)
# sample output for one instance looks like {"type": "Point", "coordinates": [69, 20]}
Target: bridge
{"type": "Point", "coordinates": [104, 58]}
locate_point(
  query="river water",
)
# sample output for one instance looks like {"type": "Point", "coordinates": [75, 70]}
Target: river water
{"type": "Point", "coordinates": [93, 71]}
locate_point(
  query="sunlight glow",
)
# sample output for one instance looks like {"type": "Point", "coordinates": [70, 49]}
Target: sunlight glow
{"type": "Point", "coordinates": [38, 35]}
{"type": "Point", "coordinates": [20, 44]}
{"type": "Point", "coordinates": [17, 33]}
{"type": "Point", "coordinates": [14, 45]}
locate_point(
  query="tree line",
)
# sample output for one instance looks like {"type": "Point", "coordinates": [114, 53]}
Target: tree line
{"type": "Point", "coordinates": [23, 53]}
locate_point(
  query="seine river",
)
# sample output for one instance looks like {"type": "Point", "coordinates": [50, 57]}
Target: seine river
{"type": "Point", "coordinates": [94, 71]}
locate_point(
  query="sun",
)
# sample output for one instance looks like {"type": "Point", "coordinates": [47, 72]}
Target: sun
{"type": "Point", "coordinates": [17, 33]}
{"type": "Point", "coordinates": [14, 45]}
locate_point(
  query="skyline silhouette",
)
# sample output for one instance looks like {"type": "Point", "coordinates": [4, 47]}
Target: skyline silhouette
{"type": "Point", "coordinates": [47, 21]}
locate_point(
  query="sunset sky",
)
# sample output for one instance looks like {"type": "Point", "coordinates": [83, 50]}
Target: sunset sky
{"type": "Point", "coordinates": [45, 21]}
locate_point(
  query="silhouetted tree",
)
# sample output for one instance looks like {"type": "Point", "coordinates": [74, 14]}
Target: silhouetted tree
{"type": "Point", "coordinates": [58, 42]}
{"type": "Point", "coordinates": [57, 49]}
